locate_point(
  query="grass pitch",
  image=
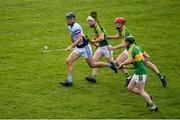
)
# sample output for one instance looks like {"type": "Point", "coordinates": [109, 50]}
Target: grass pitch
{"type": "Point", "coordinates": [29, 79]}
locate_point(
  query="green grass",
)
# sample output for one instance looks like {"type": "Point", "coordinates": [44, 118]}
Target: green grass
{"type": "Point", "coordinates": [29, 80]}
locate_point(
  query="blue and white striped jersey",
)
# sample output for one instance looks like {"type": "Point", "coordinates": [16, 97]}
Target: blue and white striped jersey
{"type": "Point", "coordinates": [74, 31]}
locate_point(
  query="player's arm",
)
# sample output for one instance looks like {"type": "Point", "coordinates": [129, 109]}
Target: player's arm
{"type": "Point", "coordinates": [122, 45]}
{"type": "Point", "coordinates": [128, 61]}
{"type": "Point", "coordinates": [117, 36]}
{"type": "Point", "coordinates": [79, 39]}
{"type": "Point", "coordinates": [99, 38]}
{"type": "Point", "coordinates": [88, 40]}
{"type": "Point", "coordinates": [146, 56]}
{"type": "Point", "coordinates": [73, 45]}
{"type": "Point", "coordinates": [95, 44]}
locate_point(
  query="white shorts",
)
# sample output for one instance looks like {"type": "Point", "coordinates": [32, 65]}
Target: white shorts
{"type": "Point", "coordinates": [85, 52]}
{"type": "Point", "coordinates": [105, 51]}
{"type": "Point", "coordinates": [122, 57]}
{"type": "Point", "coordinates": [139, 78]}
{"type": "Point", "coordinates": [125, 51]}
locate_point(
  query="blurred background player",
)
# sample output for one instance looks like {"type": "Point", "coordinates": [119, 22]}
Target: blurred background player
{"type": "Point", "coordinates": [123, 32]}
{"type": "Point", "coordinates": [80, 48]}
{"type": "Point", "coordinates": [137, 83]}
{"type": "Point", "coordinates": [100, 40]}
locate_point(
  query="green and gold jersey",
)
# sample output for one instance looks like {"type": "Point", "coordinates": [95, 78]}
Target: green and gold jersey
{"type": "Point", "coordinates": [124, 32]}
{"type": "Point", "coordinates": [99, 30]}
{"type": "Point", "coordinates": [135, 52]}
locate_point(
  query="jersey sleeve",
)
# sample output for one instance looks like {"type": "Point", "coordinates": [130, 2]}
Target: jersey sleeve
{"type": "Point", "coordinates": [77, 29]}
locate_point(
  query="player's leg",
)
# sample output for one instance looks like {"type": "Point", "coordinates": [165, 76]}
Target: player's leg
{"type": "Point", "coordinates": [69, 62]}
{"type": "Point", "coordinates": [144, 94]}
{"type": "Point", "coordinates": [109, 54]}
{"type": "Point", "coordinates": [132, 85]}
{"type": "Point", "coordinates": [149, 64]}
{"type": "Point", "coordinates": [121, 58]}
{"type": "Point", "coordinates": [87, 53]}
{"type": "Point", "coordinates": [93, 64]}
{"type": "Point", "coordinates": [102, 51]}
{"type": "Point", "coordinates": [96, 58]}
{"type": "Point", "coordinates": [154, 68]}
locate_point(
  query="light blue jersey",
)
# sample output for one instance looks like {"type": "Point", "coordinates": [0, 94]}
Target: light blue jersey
{"type": "Point", "coordinates": [83, 48]}
{"type": "Point", "coordinates": [74, 31]}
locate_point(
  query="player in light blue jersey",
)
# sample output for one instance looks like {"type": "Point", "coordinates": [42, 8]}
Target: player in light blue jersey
{"type": "Point", "coordinates": [80, 48]}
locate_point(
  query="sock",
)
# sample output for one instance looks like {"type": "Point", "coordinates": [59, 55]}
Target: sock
{"type": "Point", "coordinates": [160, 75]}
{"type": "Point", "coordinates": [108, 65]}
{"type": "Point", "coordinates": [70, 78]}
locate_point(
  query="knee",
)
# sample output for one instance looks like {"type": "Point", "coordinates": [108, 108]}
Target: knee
{"type": "Point", "coordinates": [68, 62]}
{"type": "Point", "coordinates": [92, 65]}
{"type": "Point", "coordinates": [147, 63]}
{"type": "Point", "coordinates": [117, 62]}
{"type": "Point", "coordinates": [129, 88]}
{"type": "Point", "coordinates": [95, 60]}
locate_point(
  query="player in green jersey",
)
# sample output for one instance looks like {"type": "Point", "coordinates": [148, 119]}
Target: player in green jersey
{"type": "Point", "coordinates": [122, 33]}
{"type": "Point", "coordinates": [137, 83]}
{"type": "Point", "coordinates": [100, 40]}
